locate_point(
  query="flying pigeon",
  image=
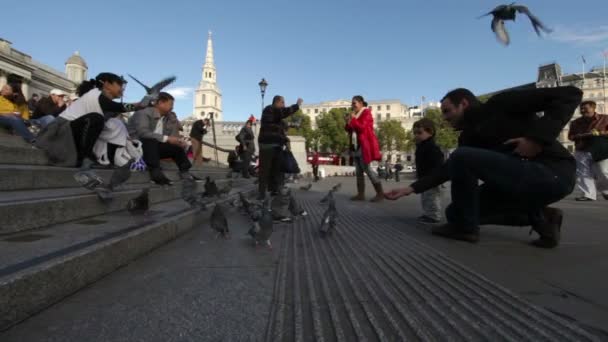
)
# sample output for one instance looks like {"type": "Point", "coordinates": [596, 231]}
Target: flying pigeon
{"type": "Point", "coordinates": [120, 175]}
{"type": "Point", "coordinates": [264, 227]}
{"type": "Point", "coordinates": [326, 198]}
{"type": "Point", "coordinates": [219, 223]}
{"type": "Point", "coordinates": [306, 187]}
{"type": "Point", "coordinates": [294, 207]}
{"type": "Point", "coordinates": [140, 204]}
{"type": "Point", "coordinates": [152, 92]}
{"type": "Point", "coordinates": [336, 187]}
{"type": "Point", "coordinates": [328, 223]}
{"type": "Point", "coordinates": [509, 12]}
{"type": "Point", "coordinates": [226, 189]}
{"type": "Point", "coordinates": [210, 188]}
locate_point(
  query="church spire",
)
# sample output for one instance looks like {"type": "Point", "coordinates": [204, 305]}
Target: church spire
{"type": "Point", "coordinates": [209, 57]}
{"type": "Point", "coordinates": [208, 97]}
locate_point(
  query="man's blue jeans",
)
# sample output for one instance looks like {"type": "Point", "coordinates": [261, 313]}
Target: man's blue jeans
{"type": "Point", "coordinates": [43, 121]}
{"type": "Point", "coordinates": [17, 125]}
{"type": "Point", "coordinates": [514, 190]}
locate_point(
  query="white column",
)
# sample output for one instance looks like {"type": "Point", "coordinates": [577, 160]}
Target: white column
{"type": "Point", "coordinates": [3, 80]}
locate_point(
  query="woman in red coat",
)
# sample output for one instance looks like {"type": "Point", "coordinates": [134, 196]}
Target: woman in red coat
{"type": "Point", "coordinates": [366, 149]}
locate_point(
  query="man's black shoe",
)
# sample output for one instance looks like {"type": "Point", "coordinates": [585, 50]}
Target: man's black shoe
{"type": "Point", "coordinates": [452, 232]}
{"type": "Point", "coordinates": [550, 229]}
{"type": "Point", "coordinates": [158, 177]}
{"type": "Point", "coordinates": [605, 196]}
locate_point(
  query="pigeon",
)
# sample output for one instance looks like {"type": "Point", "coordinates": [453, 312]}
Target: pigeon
{"type": "Point", "coordinates": [244, 202]}
{"type": "Point", "coordinates": [190, 195]}
{"type": "Point", "coordinates": [226, 189]}
{"type": "Point", "coordinates": [294, 207]}
{"type": "Point", "coordinates": [210, 188]}
{"type": "Point", "coordinates": [509, 12]}
{"type": "Point", "coordinates": [326, 198]}
{"type": "Point", "coordinates": [306, 187]}
{"type": "Point", "coordinates": [219, 223]}
{"type": "Point", "coordinates": [155, 89]}
{"type": "Point", "coordinates": [328, 223]}
{"type": "Point", "coordinates": [264, 225]}
{"type": "Point", "coordinates": [140, 204]}
{"type": "Point", "coordinates": [89, 179]}
{"type": "Point", "coordinates": [120, 175]}
{"type": "Point", "coordinates": [336, 187]}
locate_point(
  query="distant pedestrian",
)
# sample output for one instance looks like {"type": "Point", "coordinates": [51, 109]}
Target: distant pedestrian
{"type": "Point", "coordinates": [315, 165]}
{"type": "Point", "coordinates": [389, 170]}
{"type": "Point", "coordinates": [247, 145]}
{"type": "Point", "coordinates": [428, 159]}
{"type": "Point", "coordinates": [198, 131]}
{"type": "Point", "coordinates": [590, 135]}
{"type": "Point", "coordinates": [398, 169]}
{"type": "Point", "coordinates": [365, 148]}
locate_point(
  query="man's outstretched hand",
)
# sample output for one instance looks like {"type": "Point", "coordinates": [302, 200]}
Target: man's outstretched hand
{"type": "Point", "coordinates": [398, 193]}
{"type": "Point", "coordinates": [525, 147]}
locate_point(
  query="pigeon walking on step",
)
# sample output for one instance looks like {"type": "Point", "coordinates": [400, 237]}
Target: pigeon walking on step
{"type": "Point", "coordinates": [294, 207]}
{"type": "Point", "coordinates": [219, 222]}
{"type": "Point", "coordinates": [121, 175]}
{"type": "Point", "coordinates": [264, 225]}
{"type": "Point", "coordinates": [210, 188]}
{"type": "Point", "coordinates": [191, 196]}
{"type": "Point", "coordinates": [89, 179]}
{"type": "Point", "coordinates": [226, 189]}
{"type": "Point", "coordinates": [329, 220]}
{"type": "Point", "coordinates": [503, 13]}
{"type": "Point", "coordinates": [306, 187]}
{"type": "Point", "coordinates": [153, 92]}
{"type": "Point", "coordinates": [140, 204]}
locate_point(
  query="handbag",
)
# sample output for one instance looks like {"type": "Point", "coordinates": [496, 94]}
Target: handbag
{"type": "Point", "coordinates": [289, 164]}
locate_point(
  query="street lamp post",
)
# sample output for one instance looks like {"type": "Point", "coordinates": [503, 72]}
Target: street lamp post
{"type": "Point", "coordinates": [263, 84]}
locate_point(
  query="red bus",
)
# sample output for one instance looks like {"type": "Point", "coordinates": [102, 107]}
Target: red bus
{"type": "Point", "coordinates": [325, 158]}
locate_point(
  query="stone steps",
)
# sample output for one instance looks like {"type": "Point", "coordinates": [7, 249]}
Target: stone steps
{"type": "Point", "coordinates": [26, 210]}
{"type": "Point", "coordinates": [35, 177]}
{"type": "Point", "coordinates": [38, 269]}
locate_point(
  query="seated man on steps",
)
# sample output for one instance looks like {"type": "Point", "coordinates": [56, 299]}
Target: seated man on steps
{"type": "Point", "coordinates": [508, 143]}
{"type": "Point", "coordinates": [151, 126]}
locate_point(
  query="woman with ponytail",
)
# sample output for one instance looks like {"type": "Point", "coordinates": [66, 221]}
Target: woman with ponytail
{"type": "Point", "coordinates": [366, 149]}
{"type": "Point", "coordinates": [14, 111]}
{"type": "Point", "coordinates": [86, 117]}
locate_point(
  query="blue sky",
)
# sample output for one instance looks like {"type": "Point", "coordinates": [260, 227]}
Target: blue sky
{"type": "Point", "coordinates": [317, 50]}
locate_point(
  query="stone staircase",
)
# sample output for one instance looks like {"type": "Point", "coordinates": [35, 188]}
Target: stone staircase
{"type": "Point", "coordinates": [57, 237]}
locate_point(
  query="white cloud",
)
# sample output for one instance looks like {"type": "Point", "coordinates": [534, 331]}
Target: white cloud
{"type": "Point", "coordinates": [581, 36]}
{"type": "Point", "coordinates": [181, 93]}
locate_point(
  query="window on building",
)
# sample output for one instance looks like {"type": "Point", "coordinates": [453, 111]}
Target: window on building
{"type": "Point", "coordinates": [308, 111]}
{"type": "Point", "coordinates": [388, 107]}
{"type": "Point", "coordinates": [378, 117]}
{"type": "Point", "coordinates": [204, 99]}
{"type": "Point", "coordinates": [379, 107]}
{"type": "Point", "coordinates": [316, 111]}
{"type": "Point", "coordinates": [388, 116]}
{"type": "Point", "coordinates": [216, 101]}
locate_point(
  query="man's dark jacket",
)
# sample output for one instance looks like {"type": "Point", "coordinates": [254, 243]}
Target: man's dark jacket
{"type": "Point", "coordinates": [246, 138]}
{"type": "Point", "coordinates": [538, 114]}
{"type": "Point", "coordinates": [428, 158]}
{"type": "Point", "coordinates": [272, 129]}
{"type": "Point", "coordinates": [46, 106]}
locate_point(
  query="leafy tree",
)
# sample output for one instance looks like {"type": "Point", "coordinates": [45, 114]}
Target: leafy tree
{"type": "Point", "coordinates": [483, 98]}
{"type": "Point", "coordinates": [332, 137]}
{"type": "Point", "coordinates": [304, 127]}
{"type": "Point", "coordinates": [445, 136]}
{"type": "Point", "coordinates": [391, 136]}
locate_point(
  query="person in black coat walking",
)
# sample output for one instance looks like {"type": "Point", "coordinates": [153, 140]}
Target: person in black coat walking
{"type": "Point", "coordinates": [247, 146]}
{"type": "Point", "coordinates": [509, 143]}
{"type": "Point", "coordinates": [272, 139]}
{"type": "Point", "coordinates": [428, 158]}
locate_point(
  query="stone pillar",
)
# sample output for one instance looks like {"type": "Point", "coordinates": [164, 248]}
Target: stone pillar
{"type": "Point", "coordinates": [3, 80]}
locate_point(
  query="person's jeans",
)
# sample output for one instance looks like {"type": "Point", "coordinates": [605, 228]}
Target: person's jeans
{"type": "Point", "coordinates": [17, 124]}
{"type": "Point", "coordinates": [588, 173]}
{"type": "Point", "coordinates": [361, 168]}
{"type": "Point", "coordinates": [155, 150]}
{"type": "Point", "coordinates": [269, 169]}
{"type": "Point", "coordinates": [43, 121]}
{"type": "Point", "coordinates": [246, 159]}
{"type": "Point", "coordinates": [514, 190]}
